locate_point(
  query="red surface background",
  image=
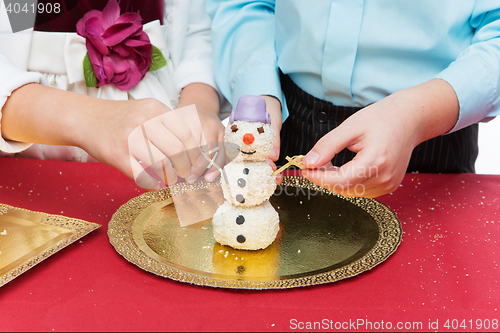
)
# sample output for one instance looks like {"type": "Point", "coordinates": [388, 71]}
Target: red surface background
{"type": "Point", "coordinates": [445, 268]}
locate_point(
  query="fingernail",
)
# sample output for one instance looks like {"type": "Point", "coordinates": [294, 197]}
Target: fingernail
{"type": "Point", "coordinates": [191, 178]}
{"type": "Point", "coordinates": [146, 182]}
{"type": "Point", "coordinates": [210, 177]}
{"type": "Point", "coordinates": [311, 158]}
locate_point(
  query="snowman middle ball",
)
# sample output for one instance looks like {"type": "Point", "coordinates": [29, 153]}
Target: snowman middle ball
{"type": "Point", "coordinates": [248, 183]}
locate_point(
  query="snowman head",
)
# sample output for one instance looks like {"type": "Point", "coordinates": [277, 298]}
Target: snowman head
{"type": "Point", "coordinates": [250, 129]}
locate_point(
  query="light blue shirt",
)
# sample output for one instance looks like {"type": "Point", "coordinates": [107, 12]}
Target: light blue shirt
{"type": "Point", "coordinates": [355, 52]}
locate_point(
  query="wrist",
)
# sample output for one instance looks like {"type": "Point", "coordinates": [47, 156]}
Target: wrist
{"type": "Point", "coordinates": [273, 102]}
{"type": "Point", "coordinates": [432, 109]}
{"type": "Point", "coordinates": [203, 96]}
{"type": "Point", "coordinates": [84, 123]}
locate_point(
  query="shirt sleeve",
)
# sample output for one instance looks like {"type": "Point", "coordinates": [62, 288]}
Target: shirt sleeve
{"type": "Point", "coordinates": [196, 63]}
{"type": "Point", "coordinates": [244, 52]}
{"type": "Point", "coordinates": [475, 74]}
{"type": "Point", "coordinates": [12, 78]}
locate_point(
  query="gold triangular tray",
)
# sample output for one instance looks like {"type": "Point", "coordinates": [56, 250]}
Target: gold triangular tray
{"type": "Point", "coordinates": [27, 238]}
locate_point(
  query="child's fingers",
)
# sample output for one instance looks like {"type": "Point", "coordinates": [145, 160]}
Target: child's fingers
{"type": "Point", "coordinates": [219, 161]}
{"type": "Point", "coordinates": [141, 148]}
{"type": "Point", "coordinates": [168, 173]}
{"type": "Point", "coordinates": [369, 188]}
{"type": "Point", "coordinates": [147, 152]}
{"type": "Point", "coordinates": [141, 177]}
{"type": "Point", "coordinates": [328, 146]}
{"type": "Point", "coordinates": [347, 175]}
{"type": "Point", "coordinates": [187, 130]}
{"type": "Point", "coordinates": [178, 145]}
{"type": "Point", "coordinates": [279, 176]}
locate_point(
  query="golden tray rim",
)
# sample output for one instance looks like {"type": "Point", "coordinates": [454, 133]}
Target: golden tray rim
{"type": "Point", "coordinates": [122, 239]}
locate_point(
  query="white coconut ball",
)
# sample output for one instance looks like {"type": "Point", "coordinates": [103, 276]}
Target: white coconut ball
{"type": "Point", "coordinates": [246, 228]}
{"type": "Point", "coordinates": [259, 149]}
{"type": "Point", "coordinates": [248, 183]}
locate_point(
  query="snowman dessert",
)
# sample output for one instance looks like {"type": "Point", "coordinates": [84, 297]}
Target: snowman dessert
{"type": "Point", "coordinates": [247, 220]}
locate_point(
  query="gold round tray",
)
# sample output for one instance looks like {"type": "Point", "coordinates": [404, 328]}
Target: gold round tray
{"type": "Point", "coordinates": [323, 237]}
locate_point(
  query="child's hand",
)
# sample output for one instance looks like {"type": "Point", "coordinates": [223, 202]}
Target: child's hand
{"type": "Point", "coordinates": [206, 100]}
{"type": "Point", "coordinates": [174, 137]}
{"type": "Point", "coordinates": [139, 134]}
{"type": "Point", "coordinates": [118, 133]}
{"type": "Point", "coordinates": [383, 151]}
{"type": "Point", "coordinates": [383, 135]}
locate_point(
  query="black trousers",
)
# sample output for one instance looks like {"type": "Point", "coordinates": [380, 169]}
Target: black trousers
{"type": "Point", "coordinates": [311, 118]}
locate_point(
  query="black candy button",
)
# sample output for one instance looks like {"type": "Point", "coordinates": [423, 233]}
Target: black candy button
{"type": "Point", "coordinates": [240, 219]}
{"type": "Point", "coordinates": [246, 171]}
{"type": "Point", "coordinates": [242, 182]}
{"type": "Point", "coordinates": [240, 198]}
{"type": "Point", "coordinates": [241, 239]}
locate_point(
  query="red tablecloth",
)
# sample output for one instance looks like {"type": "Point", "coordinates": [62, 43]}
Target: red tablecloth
{"type": "Point", "coordinates": [446, 268]}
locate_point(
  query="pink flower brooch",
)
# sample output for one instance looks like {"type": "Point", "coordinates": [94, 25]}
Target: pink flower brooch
{"type": "Point", "coordinates": [118, 50]}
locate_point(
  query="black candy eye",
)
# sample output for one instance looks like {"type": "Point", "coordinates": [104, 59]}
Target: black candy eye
{"type": "Point", "coordinates": [260, 129]}
{"type": "Point", "coordinates": [234, 128]}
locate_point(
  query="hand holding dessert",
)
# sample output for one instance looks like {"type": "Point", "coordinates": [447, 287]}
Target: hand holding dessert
{"type": "Point", "coordinates": [119, 133]}
{"type": "Point", "coordinates": [383, 135]}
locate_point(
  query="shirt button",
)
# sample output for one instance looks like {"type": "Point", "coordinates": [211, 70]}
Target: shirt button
{"type": "Point", "coordinates": [322, 116]}
{"type": "Point", "coordinates": [53, 83]}
{"type": "Point", "coordinates": [174, 104]}
{"type": "Point", "coordinates": [170, 18]}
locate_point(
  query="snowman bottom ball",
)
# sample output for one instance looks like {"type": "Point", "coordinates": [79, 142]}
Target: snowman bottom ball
{"type": "Point", "coordinates": [246, 228]}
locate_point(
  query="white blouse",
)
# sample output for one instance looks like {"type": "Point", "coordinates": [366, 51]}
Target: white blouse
{"type": "Point", "coordinates": [55, 59]}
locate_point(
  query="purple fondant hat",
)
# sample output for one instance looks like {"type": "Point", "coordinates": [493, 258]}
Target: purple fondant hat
{"type": "Point", "coordinates": [250, 108]}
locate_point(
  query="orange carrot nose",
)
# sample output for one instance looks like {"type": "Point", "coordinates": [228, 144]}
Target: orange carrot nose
{"type": "Point", "coordinates": [248, 138]}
